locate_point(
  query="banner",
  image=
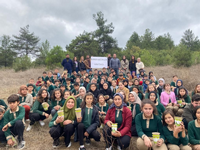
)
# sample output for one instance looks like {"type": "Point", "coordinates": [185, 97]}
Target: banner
{"type": "Point", "coordinates": [99, 62]}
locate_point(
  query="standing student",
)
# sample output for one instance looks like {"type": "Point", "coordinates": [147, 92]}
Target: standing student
{"type": "Point", "coordinates": [14, 121]}
{"type": "Point", "coordinates": [26, 100]}
{"type": "Point", "coordinates": [89, 121]}
{"type": "Point", "coordinates": [175, 135]}
{"type": "Point", "coordinates": [64, 126]}
{"type": "Point", "coordinates": [57, 101]}
{"type": "Point", "coordinates": [123, 88]}
{"type": "Point", "coordinates": [120, 114]}
{"type": "Point", "coordinates": [75, 65]}
{"type": "Point", "coordinates": [148, 122]}
{"type": "Point", "coordinates": [82, 92]}
{"type": "Point", "coordinates": [139, 66]}
{"type": "Point", "coordinates": [194, 130]}
{"type": "Point", "coordinates": [134, 103]}
{"type": "Point", "coordinates": [2, 135]}
{"type": "Point", "coordinates": [37, 112]}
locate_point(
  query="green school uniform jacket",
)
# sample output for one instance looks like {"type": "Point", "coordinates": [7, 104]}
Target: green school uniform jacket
{"type": "Point", "coordinates": [168, 133]}
{"type": "Point", "coordinates": [147, 95]}
{"type": "Point", "coordinates": [87, 117]}
{"type": "Point", "coordinates": [140, 88]}
{"type": "Point", "coordinates": [50, 88]}
{"type": "Point", "coordinates": [140, 96]}
{"type": "Point", "coordinates": [78, 102]}
{"type": "Point", "coordinates": [137, 109]}
{"type": "Point", "coordinates": [11, 117]}
{"type": "Point", "coordinates": [73, 78]}
{"type": "Point", "coordinates": [156, 82]}
{"type": "Point", "coordinates": [1, 123]}
{"type": "Point", "coordinates": [70, 87]}
{"type": "Point", "coordinates": [2, 103]}
{"type": "Point", "coordinates": [37, 108]}
{"type": "Point", "coordinates": [186, 100]}
{"type": "Point", "coordinates": [103, 108]}
{"type": "Point", "coordinates": [74, 92]}
{"type": "Point", "coordinates": [193, 132]}
{"type": "Point", "coordinates": [55, 103]}
{"type": "Point", "coordinates": [160, 109]}
{"type": "Point", "coordinates": [146, 127]}
{"type": "Point", "coordinates": [173, 84]}
{"type": "Point", "coordinates": [118, 119]}
{"type": "Point", "coordinates": [44, 78]}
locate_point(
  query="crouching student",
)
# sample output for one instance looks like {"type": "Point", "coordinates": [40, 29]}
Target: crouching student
{"type": "Point", "coordinates": [26, 100]}
{"type": "Point", "coordinates": [38, 111]}
{"type": "Point", "coordinates": [57, 101]}
{"type": "Point", "coordinates": [14, 122]}
{"type": "Point", "coordinates": [89, 121]}
{"type": "Point", "coordinates": [82, 92]}
{"type": "Point", "coordinates": [120, 114]}
{"type": "Point", "coordinates": [175, 135]}
{"type": "Point", "coordinates": [194, 130]}
{"type": "Point", "coordinates": [148, 122]}
{"type": "Point", "coordinates": [134, 103]}
{"type": "Point", "coordinates": [64, 126]}
{"type": "Point", "coordinates": [2, 135]}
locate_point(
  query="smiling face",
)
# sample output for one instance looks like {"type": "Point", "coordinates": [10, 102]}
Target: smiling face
{"type": "Point", "coordinates": [179, 83]}
{"type": "Point", "coordinates": [121, 86]}
{"type": "Point", "coordinates": [105, 86]}
{"type": "Point", "coordinates": [57, 94]}
{"type": "Point", "coordinates": [44, 94]}
{"type": "Point", "coordinates": [24, 91]}
{"type": "Point", "coordinates": [169, 119]}
{"type": "Point", "coordinates": [70, 104]}
{"type": "Point", "coordinates": [101, 99]}
{"type": "Point", "coordinates": [67, 94]}
{"type": "Point", "coordinates": [93, 87]}
{"type": "Point", "coordinates": [198, 88]}
{"type": "Point", "coordinates": [152, 97]}
{"type": "Point", "coordinates": [118, 101]}
{"type": "Point", "coordinates": [89, 100]}
{"type": "Point", "coordinates": [147, 110]}
{"type": "Point", "coordinates": [131, 98]}
{"type": "Point", "coordinates": [151, 88]}
{"type": "Point", "coordinates": [82, 92]}
{"type": "Point", "coordinates": [198, 114]}
{"type": "Point", "coordinates": [182, 92]}
{"type": "Point", "coordinates": [135, 90]}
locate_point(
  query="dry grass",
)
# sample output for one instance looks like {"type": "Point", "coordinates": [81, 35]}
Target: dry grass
{"type": "Point", "coordinates": [39, 139]}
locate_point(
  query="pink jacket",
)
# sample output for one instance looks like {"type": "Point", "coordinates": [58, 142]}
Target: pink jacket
{"type": "Point", "coordinates": [164, 98]}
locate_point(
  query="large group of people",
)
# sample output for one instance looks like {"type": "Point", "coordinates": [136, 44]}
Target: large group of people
{"type": "Point", "coordinates": [122, 100]}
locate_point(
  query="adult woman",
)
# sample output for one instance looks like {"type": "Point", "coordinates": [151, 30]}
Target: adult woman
{"type": "Point", "coordinates": [75, 65]}
{"type": "Point", "coordinates": [123, 88]}
{"type": "Point", "coordinates": [124, 64]}
{"type": "Point", "coordinates": [81, 64]}
{"type": "Point", "coordinates": [132, 65]}
{"type": "Point", "coordinates": [120, 114]}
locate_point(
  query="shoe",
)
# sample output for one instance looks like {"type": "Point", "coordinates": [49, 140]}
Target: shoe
{"type": "Point", "coordinates": [29, 128]}
{"type": "Point", "coordinates": [21, 145]}
{"type": "Point", "coordinates": [41, 123]}
{"type": "Point", "coordinates": [101, 127]}
{"type": "Point", "coordinates": [87, 141]}
{"type": "Point", "coordinates": [83, 148]}
{"type": "Point", "coordinates": [56, 143]}
{"type": "Point", "coordinates": [118, 147]}
{"type": "Point", "coordinates": [27, 120]}
{"type": "Point", "coordinates": [69, 145]}
{"type": "Point", "coordinates": [110, 148]}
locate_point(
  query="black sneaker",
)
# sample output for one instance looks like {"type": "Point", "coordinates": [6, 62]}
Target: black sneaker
{"type": "Point", "coordinates": [87, 141]}
{"type": "Point", "coordinates": [56, 143]}
{"type": "Point", "coordinates": [83, 148]}
{"type": "Point", "coordinates": [21, 145]}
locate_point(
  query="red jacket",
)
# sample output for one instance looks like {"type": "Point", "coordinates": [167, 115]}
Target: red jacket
{"type": "Point", "coordinates": [125, 128]}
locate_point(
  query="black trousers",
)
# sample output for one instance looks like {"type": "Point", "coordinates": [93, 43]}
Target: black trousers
{"type": "Point", "coordinates": [123, 141]}
{"type": "Point", "coordinates": [36, 116]}
{"type": "Point", "coordinates": [2, 136]}
{"type": "Point", "coordinates": [133, 130]}
{"type": "Point", "coordinates": [18, 129]}
{"type": "Point", "coordinates": [81, 130]}
{"type": "Point", "coordinates": [67, 131]}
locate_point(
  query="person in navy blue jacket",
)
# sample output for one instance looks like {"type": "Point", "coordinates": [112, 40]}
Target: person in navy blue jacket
{"type": "Point", "coordinates": [67, 63]}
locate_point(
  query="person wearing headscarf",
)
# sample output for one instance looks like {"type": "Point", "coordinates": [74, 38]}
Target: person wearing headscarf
{"type": "Point", "coordinates": [120, 114]}
{"type": "Point", "coordinates": [134, 104]}
{"type": "Point", "coordinates": [179, 83]}
{"type": "Point", "coordinates": [64, 125]}
{"type": "Point", "coordinates": [106, 91]}
{"type": "Point", "coordinates": [160, 88]}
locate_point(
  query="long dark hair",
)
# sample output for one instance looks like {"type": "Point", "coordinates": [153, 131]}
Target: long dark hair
{"type": "Point", "coordinates": [83, 104]}
{"type": "Point", "coordinates": [148, 101]}
{"type": "Point", "coordinates": [195, 90]}
{"type": "Point", "coordinates": [186, 93]}
{"type": "Point", "coordinates": [53, 97]}
{"type": "Point", "coordinates": [155, 96]}
{"type": "Point", "coordinates": [195, 110]}
{"type": "Point", "coordinates": [40, 98]}
{"type": "Point", "coordinates": [167, 111]}
{"type": "Point", "coordinates": [137, 87]}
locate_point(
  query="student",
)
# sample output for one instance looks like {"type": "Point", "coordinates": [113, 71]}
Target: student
{"type": "Point", "coordinates": [57, 101]}
{"type": "Point", "coordinates": [37, 112]}
{"type": "Point", "coordinates": [25, 100]}
{"type": "Point", "coordinates": [151, 74]}
{"type": "Point", "coordinates": [68, 84]}
{"type": "Point", "coordinates": [151, 88]}
{"type": "Point", "coordinates": [122, 88]}
{"type": "Point", "coordinates": [3, 104]}
{"type": "Point", "coordinates": [160, 108]}
{"type": "Point", "coordinates": [194, 130]}
{"type": "Point", "coordinates": [130, 85]}
{"type": "Point", "coordinates": [146, 84]}
{"type": "Point", "coordinates": [58, 74]}
{"type": "Point", "coordinates": [102, 81]}
{"type": "Point", "coordinates": [108, 94]}
{"type": "Point", "coordinates": [86, 82]}
{"type": "Point", "coordinates": [82, 92]}
{"type": "Point", "coordinates": [64, 78]}
{"type": "Point", "coordinates": [30, 88]}
{"type": "Point", "coordinates": [138, 92]}
{"type": "Point", "coordinates": [55, 77]}
{"type": "Point", "coordinates": [2, 135]}
{"type": "Point", "coordinates": [160, 88]}
{"type": "Point", "coordinates": [62, 87]}
{"type": "Point", "coordinates": [136, 83]}
{"type": "Point", "coordinates": [49, 76]}
{"type": "Point", "coordinates": [89, 121]}
{"type": "Point", "coordinates": [121, 78]}
{"type": "Point", "coordinates": [73, 76]}
{"type": "Point", "coordinates": [135, 103]}
{"type": "Point", "coordinates": [173, 83]}
{"type": "Point", "coordinates": [175, 135]}
{"type": "Point", "coordinates": [67, 94]}
{"type": "Point", "coordinates": [188, 112]}
{"type": "Point", "coordinates": [32, 81]}
{"type": "Point", "coordinates": [148, 122]}
{"type": "Point", "coordinates": [39, 82]}
{"type": "Point", "coordinates": [196, 90]}
{"type": "Point", "coordinates": [14, 121]}
{"type": "Point", "coordinates": [120, 114]}
{"type": "Point", "coordinates": [93, 89]}
{"type": "Point", "coordinates": [50, 86]}
{"type": "Point", "coordinates": [44, 76]}
{"type": "Point", "coordinates": [75, 91]}
{"type": "Point", "coordinates": [152, 79]}
{"type": "Point", "coordinates": [114, 86]}
{"type": "Point", "coordinates": [64, 125]}
{"type": "Point", "coordinates": [179, 83]}
{"type": "Point", "coordinates": [57, 84]}
{"type": "Point", "coordinates": [185, 98]}
{"type": "Point", "coordinates": [103, 108]}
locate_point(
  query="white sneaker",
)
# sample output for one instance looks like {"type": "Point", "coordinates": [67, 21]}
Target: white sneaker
{"type": "Point", "coordinates": [41, 123]}
{"type": "Point", "coordinates": [29, 128]}
{"type": "Point", "coordinates": [110, 148]}
{"type": "Point", "coordinates": [118, 147]}
{"type": "Point", "coordinates": [70, 144]}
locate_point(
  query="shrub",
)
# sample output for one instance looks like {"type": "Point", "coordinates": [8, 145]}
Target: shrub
{"type": "Point", "coordinates": [22, 63]}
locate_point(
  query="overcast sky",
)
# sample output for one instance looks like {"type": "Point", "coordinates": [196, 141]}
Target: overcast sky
{"type": "Point", "coordinates": [60, 21]}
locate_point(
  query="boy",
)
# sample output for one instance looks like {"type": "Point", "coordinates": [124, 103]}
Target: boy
{"type": "Point", "coordinates": [14, 121]}
{"type": "Point", "coordinates": [31, 81]}
{"type": "Point", "coordinates": [64, 79]}
{"type": "Point", "coordinates": [130, 85]}
{"type": "Point", "coordinates": [75, 90]}
{"type": "Point", "coordinates": [153, 80]}
{"type": "Point", "coordinates": [68, 85]}
{"type": "Point", "coordinates": [145, 84]}
{"type": "Point", "coordinates": [44, 76]}
{"type": "Point", "coordinates": [30, 91]}
{"type": "Point", "coordinates": [73, 76]}
{"type": "Point", "coordinates": [121, 78]}
{"type": "Point", "coordinates": [104, 71]}
{"type": "Point", "coordinates": [2, 135]}
{"type": "Point", "coordinates": [62, 87]}
{"type": "Point", "coordinates": [57, 84]}
{"type": "Point", "coordinates": [54, 77]}
{"type": "Point", "coordinates": [50, 86]}
{"type": "Point", "coordinates": [58, 74]}
{"type": "Point", "coordinates": [90, 74]}
{"type": "Point", "coordinates": [86, 82]}
{"type": "Point", "coordinates": [49, 77]}
{"type": "Point", "coordinates": [114, 86]}
{"type": "Point", "coordinates": [39, 82]}
{"type": "Point", "coordinates": [173, 83]}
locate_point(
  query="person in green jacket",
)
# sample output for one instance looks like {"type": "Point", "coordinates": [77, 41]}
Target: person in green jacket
{"type": "Point", "coordinates": [64, 125]}
{"type": "Point", "coordinates": [151, 88]}
{"type": "Point", "coordinates": [194, 130]}
{"type": "Point", "coordinates": [57, 101]}
{"type": "Point", "coordinates": [40, 110]}
{"type": "Point", "coordinates": [3, 104]}
{"type": "Point", "coordinates": [160, 108]}
{"type": "Point", "coordinates": [14, 122]}
{"type": "Point", "coordinates": [2, 135]}
{"type": "Point", "coordinates": [148, 122]}
{"type": "Point", "coordinates": [82, 92]}
{"type": "Point", "coordinates": [196, 90]}
{"type": "Point", "coordinates": [175, 135]}
{"type": "Point", "coordinates": [134, 104]}
{"type": "Point", "coordinates": [138, 92]}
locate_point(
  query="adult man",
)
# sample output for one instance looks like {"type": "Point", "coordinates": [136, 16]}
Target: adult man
{"type": "Point", "coordinates": [115, 63]}
{"type": "Point", "coordinates": [139, 65]}
{"type": "Point", "coordinates": [67, 64]}
{"type": "Point", "coordinates": [87, 63]}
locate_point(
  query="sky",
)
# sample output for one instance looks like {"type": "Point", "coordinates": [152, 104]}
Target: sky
{"type": "Point", "coordinates": [60, 21]}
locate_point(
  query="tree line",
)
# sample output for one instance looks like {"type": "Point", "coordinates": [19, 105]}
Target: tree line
{"type": "Point", "coordinates": [17, 51]}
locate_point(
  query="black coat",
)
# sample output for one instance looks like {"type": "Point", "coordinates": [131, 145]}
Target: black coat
{"type": "Point", "coordinates": [107, 92]}
{"type": "Point", "coordinates": [82, 66]}
{"type": "Point", "coordinates": [74, 66]}
{"type": "Point", "coordinates": [132, 66]}
{"type": "Point", "coordinates": [95, 93]}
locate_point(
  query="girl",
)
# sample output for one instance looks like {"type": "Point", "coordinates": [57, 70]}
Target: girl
{"type": "Point", "coordinates": [108, 94]}
{"type": "Point", "coordinates": [57, 101]}
{"type": "Point", "coordinates": [160, 88]}
{"type": "Point", "coordinates": [75, 65]}
{"type": "Point", "coordinates": [151, 88]}
{"type": "Point", "coordinates": [94, 91]}
{"type": "Point", "coordinates": [134, 103]}
{"type": "Point", "coordinates": [64, 125]}
{"type": "Point", "coordinates": [122, 88]}
{"type": "Point", "coordinates": [2, 135]}
{"type": "Point", "coordinates": [102, 81]}
{"type": "Point", "coordinates": [160, 108]}
{"type": "Point", "coordinates": [103, 108]}
{"type": "Point", "coordinates": [67, 94]}
{"type": "Point", "coordinates": [136, 83]}
{"type": "Point", "coordinates": [175, 135]}
{"type": "Point", "coordinates": [152, 79]}
{"type": "Point", "coordinates": [124, 64]}
{"type": "Point", "coordinates": [89, 121]}
{"type": "Point", "coordinates": [194, 130]}
{"type": "Point", "coordinates": [125, 82]}
{"type": "Point", "coordinates": [114, 86]}
{"type": "Point", "coordinates": [82, 92]}
{"type": "Point", "coordinates": [148, 122]}
{"type": "Point", "coordinates": [196, 90]}
{"type": "Point", "coordinates": [26, 100]}
{"type": "Point", "coordinates": [179, 83]}
{"type": "Point", "coordinates": [120, 114]}
{"type": "Point", "coordinates": [151, 74]}
{"type": "Point", "coordinates": [37, 112]}
{"type": "Point", "coordinates": [132, 65]}
{"type": "Point", "coordinates": [168, 98]}
{"type": "Point", "coordinates": [184, 98]}
{"type": "Point", "coordinates": [138, 92]}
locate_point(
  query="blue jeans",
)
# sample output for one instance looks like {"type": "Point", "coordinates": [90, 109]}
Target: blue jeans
{"type": "Point", "coordinates": [88, 70]}
{"type": "Point", "coordinates": [116, 71]}
{"type": "Point", "coordinates": [70, 72]}
{"type": "Point", "coordinates": [77, 69]}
